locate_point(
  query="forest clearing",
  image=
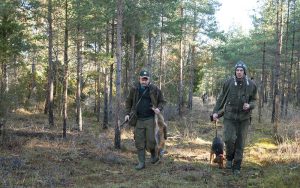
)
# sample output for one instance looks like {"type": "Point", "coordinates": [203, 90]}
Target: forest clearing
{"type": "Point", "coordinates": [34, 156]}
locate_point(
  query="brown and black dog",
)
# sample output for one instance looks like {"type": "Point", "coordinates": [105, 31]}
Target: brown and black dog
{"type": "Point", "coordinates": [217, 147]}
{"type": "Point", "coordinates": [217, 152]}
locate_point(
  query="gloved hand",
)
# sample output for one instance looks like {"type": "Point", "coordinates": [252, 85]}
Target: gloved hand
{"type": "Point", "coordinates": [215, 116]}
{"type": "Point", "coordinates": [127, 118]}
{"type": "Point", "coordinates": [156, 110]}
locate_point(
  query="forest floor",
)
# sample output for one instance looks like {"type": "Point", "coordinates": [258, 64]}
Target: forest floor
{"type": "Point", "coordinates": [34, 156]}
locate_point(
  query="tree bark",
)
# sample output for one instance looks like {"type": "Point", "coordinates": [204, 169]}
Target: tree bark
{"type": "Point", "coordinates": [180, 86]}
{"type": "Point", "coordinates": [111, 69]}
{"type": "Point", "coordinates": [105, 100]}
{"type": "Point", "coordinates": [149, 63]}
{"type": "Point", "coordinates": [79, 46]}
{"type": "Point", "coordinates": [50, 69]}
{"type": "Point", "coordinates": [161, 49]}
{"type": "Point", "coordinates": [262, 84]}
{"type": "Point", "coordinates": [118, 73]}
{"type": "Point", "coordinates": [66, 72]}
{"type": "Point", "coordinates": [284, 81]}
{"type": "Point", "coordinates": [289, 75]}
{"type": "Point", "coordinates": [276, 101]}
{"type": "Point", "coordinates": [132, 59]}
{"type": "Point", "coordinates": [192, 65]}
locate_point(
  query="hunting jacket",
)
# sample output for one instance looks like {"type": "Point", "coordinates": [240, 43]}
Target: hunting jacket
{"type": "Point", "coordinates": [156, 97]}
{"type": "Point", "coordinates": [233, 96]}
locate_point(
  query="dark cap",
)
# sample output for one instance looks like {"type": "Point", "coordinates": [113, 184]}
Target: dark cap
{"type": "Point", "coordinates": [241, 64]}
{"type": "Point", "coordinates": [144, 73]}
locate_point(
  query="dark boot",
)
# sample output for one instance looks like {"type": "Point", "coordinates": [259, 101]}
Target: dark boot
{"type": "Point", "coordinates": [228, 164]}
{"type": "Point", "coordinates": [154, 157]}
{"type": "Point", "coordinates": [236, 168]}
{"type": "Point", "coordinates": [141, 158]}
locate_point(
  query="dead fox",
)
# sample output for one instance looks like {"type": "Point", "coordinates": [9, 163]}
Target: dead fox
{"type": "Point", "coordinates": [160, 133]}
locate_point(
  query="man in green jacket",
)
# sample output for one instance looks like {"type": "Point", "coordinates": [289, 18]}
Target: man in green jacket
{"type": "Point", "coordinates": [143, 102]}
{"type": "Point", "coordinates": [237, 99]}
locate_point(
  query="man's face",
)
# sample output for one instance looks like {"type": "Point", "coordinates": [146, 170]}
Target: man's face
{"type": "Point", "coordinates": [239, 72]}
{"type": "Point", "coordinates": [144, 81]}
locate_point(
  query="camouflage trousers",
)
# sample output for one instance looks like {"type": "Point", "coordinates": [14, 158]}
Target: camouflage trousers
{"type": "Point", "coordinates": [235, 136]}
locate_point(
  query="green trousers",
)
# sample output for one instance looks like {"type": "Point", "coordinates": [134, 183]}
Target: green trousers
{"type": "Point", "coordinates": [145, 134]}
{"type": "Point", "coordinates": [235, 135]}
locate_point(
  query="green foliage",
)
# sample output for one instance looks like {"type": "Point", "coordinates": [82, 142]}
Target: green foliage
{"type": "Point", "coordinates": [12, 37]}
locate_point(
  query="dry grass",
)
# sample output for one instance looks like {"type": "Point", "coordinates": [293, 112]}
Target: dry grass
{"type": "Point", "coordinates": [34, 156]}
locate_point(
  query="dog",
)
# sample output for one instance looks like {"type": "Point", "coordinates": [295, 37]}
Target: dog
{"type": "Point", "coordinates": [217, 152]}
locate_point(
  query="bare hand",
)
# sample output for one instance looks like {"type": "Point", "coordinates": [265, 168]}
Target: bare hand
{"type": "Point", "coordinates": [156, 110]}
{"type": "Point", "coordinates": [127, 118]}
{"type": "Point", "coordinates": [215, 116]}
{"type": "Point", "coordinates": [246, 106]}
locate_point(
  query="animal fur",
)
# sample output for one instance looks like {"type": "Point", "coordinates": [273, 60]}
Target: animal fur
{"type": "Point", "coordinates": [217, 152]}
{"type": "Point", "coordinates": [160, 133]}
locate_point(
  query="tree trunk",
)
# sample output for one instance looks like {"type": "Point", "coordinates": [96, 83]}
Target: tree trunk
{"type": "Point", "coordinates": [79, 46]}
{"type": "Point", "coordinates": [4, 78]}
{"type": "Point", "coordinates": [105, 100]}
{"type": "Point", "coordinates": [161, 50]}
{"type": "Point", "coordinates": [149, 62]}
{"type": "Point", "coordinates": [98, 105]}
{"type": "Point", "coordinates": [298, 83]}
{"type": "Point", "coordinates": [105, 108]}
{"type": "Point", "coordinates": [283, 86]}
{"type": "Point", "coordinates": [66, 73]}
{"type": "Point", "coordinates": [32, 91]}
{"type": "Point", "coordinates": [289, 75]}
{"type": "Point", "coordinates": [132, 59]}
{"type": "Point", "coordinates": [276, 101]}
{"type": "Point", "coordinates": [50, 69]}
{"type": "Point", "coordinates": [262, 84]}
{"type": "Point", "coordinates": [118, 73]}
{"type": "Point", "coordinates": [192, 65]}
{"type": "Point", "coordinates": [180, 86]}
{"type": "Point", "coordinates": [111, 69]}
{"type": "Point", "coordinates": [127, 67]}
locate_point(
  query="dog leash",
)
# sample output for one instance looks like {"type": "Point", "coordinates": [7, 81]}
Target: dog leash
{"type": "Point", "coordinates": [216, 128]}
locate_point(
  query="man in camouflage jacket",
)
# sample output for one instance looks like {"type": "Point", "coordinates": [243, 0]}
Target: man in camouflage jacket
{"type": "Point", "coordinates": [143, 102]}
{"type": "Point", "coordinates": [237, 99]}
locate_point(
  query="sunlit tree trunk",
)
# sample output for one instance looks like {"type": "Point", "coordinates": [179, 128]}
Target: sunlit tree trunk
{"type": "Point", "coordinates": [161, 50]}
{"type": "Point", "coordinates": [111, 69]}
{"type": "Point", "coordinates": [289, 74]}
{"type": "Point", "coordinates": [79, 46]}
{"type": "Point", "coordinates": [262, 84]}
{"type": "Point", "coordinates": [98, 88]}
{"type": "Point", "coordinates": [180, 86]}
{"type": "Point", "coordinates": [192, 67]}
{"type": "Point", "coordinates": [50, 67]}
{"type": "Point", "coordinates": [127, 67]}
{"type": "Point", "coordinates": [120, 7]}
{"type": "Point", "coordinates": [105, 100]}
{"type": "Point", "coordinates": [276, 102]}
{"type": "Point", "coordinates": [66, 73]}
{"type": "Point", "coordinates": [284, 75]}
